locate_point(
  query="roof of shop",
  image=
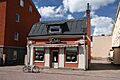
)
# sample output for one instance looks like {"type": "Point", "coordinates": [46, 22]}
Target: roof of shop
{"type": "Point", "coordinates": [69, 27]}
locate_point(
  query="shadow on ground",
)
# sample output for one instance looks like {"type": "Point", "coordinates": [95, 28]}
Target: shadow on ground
{"type": "Point", "coordinates": [103, 65]}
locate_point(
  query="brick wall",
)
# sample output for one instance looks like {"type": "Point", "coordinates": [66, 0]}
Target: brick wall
{"type": "Point", "coordinates": [27, 19]}
{"type": "Point", "coordinates": [2, 21]}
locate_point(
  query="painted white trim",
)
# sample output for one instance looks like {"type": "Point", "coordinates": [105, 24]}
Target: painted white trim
{"type": "Point", "coordinates": [31, 56]}
{"type": "Point", "coordinates": [81, 63]}
{"type": "Point", "coordinates": [61, 58]}
{"type": "Point", "coordinates": [39, 61]}
{"type": "Point", "coordinates": [55, 64]}
{"type": "Point", "coordinates": [47, 57]}
{"type": "Point", "coordinates": [72, 62]}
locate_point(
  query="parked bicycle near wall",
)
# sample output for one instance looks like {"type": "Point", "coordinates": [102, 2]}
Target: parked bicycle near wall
{"type": "Point", "coordinates": [31, 68]}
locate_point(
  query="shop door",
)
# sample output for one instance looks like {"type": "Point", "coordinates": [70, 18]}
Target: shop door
{"type": "Point", "coordinates": [55, 59]}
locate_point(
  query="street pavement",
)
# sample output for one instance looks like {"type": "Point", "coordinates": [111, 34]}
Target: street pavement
{"type": "Point", "coordinates": [100, 70]}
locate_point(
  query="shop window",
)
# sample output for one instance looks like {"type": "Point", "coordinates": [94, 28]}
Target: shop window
{"type": "Point", "coordinates": [39, 54]}
{"type": "Point", "coordinates": [71, 54]}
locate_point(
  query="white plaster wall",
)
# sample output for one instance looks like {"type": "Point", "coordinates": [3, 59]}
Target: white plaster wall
{"type": "Point", "coordinates": [81, 64]}
{"type": "Point", "coordinates": [101, 46]}
{"type": "Point", "coordinates": [116, 30]}
{"type": "Point", "coordinates": [61, 58]}
{"type": "Point", "coordinates": [31, 55]}
{"type": "Point", "coordinates": [47, 57]}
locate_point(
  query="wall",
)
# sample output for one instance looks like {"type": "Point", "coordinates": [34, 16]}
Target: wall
{"type": "Point", "coordinates": [101, 46]}
{"type": "Point", "coordinates": [116, 30]}
{"type": "Point", "coordinates": [9, 26]}
{"type": "Point", "coordinates": [2, 22]}
{"type": "Point", "coordinates": [27, 19]}
{"type": "Point", "coordinates": [116, 56]}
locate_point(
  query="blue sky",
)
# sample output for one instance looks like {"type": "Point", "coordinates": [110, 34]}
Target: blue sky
{"type": "Point", "coordinates": [102, 12]}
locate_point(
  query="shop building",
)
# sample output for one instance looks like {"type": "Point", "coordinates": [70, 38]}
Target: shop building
{"type": "Point", "coordinates": [60, 44]}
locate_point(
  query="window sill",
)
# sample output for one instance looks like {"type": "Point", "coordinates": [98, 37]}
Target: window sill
{"type": "Point", "coordinates": [71, 62]}
{"type": "Point", "coordinates": [39, 61]}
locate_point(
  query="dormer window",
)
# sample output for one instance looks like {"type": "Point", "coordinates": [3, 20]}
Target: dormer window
{"type": "Point", "coordinates": [55, 29]}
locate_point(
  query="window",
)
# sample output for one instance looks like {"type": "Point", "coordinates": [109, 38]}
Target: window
{"type": "Point", "coordinates": [71, 54]}
{"type": "Point", "coordinates": [17, 17]}
{"type": "Point", "coordinates": [39, 54]}
{"type": "Point", "coordinates": [22, 3]}
{"type": "Point", "coordinates": [14, 55]}
{"type": "Point", "coordinates": [55, 29]}
{"type": "Point", "coordinates": [16, 36]}
{"type": "Point", "coordinates": [30, 9]}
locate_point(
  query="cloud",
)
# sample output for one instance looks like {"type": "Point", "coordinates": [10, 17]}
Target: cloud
{"type": "Point", "coordinates": [70, 16]}
{"type": "Point", "coordinates": [80, 5]}
{"type": "Point", "coordinates": [49, 11]}
{"type": "Point", "coordinates": [54, 13]}
{"type": "Point", "coordinates": [102, 25]}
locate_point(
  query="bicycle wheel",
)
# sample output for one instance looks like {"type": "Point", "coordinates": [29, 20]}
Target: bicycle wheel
{"type": "Point", "coordinates": [25, 69]}
{"type": "Point", "coordinates": [35, 69]}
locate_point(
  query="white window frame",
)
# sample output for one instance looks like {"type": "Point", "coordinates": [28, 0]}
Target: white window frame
{"type": "Point", "coordinates": [60, 30]}
{"type": "Point", "coordinates": [22, 3]}
{"type": "Point", "coordinates": [17, 17]}
{"type": "Point", "coordinates": [16, 36]}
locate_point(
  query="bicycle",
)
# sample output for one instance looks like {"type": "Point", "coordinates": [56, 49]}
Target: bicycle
{"type": "Point", "coordinates": [31, 68]}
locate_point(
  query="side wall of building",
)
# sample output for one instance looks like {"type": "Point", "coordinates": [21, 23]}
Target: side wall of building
{"type": "Point", "coordinates": [101, 46]}
{"type": "Point", "coordinates": [2, 27]}
{"type": "Point", "coordinates": [2, 22]}
{"type": "Point", "coordinates": [11, 47]}
{"type": "Point", "coordinates": [116, 38]}
{"type": "Point", "coordinates": [27, 19]}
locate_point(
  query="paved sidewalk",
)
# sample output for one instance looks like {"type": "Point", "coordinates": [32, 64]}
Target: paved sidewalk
{"type": "Point", "coordinates": [100, 70]}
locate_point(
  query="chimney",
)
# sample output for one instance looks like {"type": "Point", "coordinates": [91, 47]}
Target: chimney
{"type": "Point", "coordinates": [88, 20]}
{"type": "Point", "coordinates": [88, 33]}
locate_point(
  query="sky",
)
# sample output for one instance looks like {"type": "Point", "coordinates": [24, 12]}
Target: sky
{"type": "Point", "coordinates": [102, 12]}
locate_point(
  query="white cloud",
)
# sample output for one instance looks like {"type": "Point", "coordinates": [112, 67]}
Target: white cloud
{"type": "Point", "coordinates": [70, 16]}
{"type": "Point", "coordinates": [102, 25]}
{"type": "Point", "coordinates": [54, 13]}
{"type": "Point", "coordinates": [49, 11]}
{"type": "Point", "coordinates": [80, 5]}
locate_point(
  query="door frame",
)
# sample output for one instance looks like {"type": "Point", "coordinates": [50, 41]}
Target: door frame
{"type": "Point", "coordinates": [51, 56]}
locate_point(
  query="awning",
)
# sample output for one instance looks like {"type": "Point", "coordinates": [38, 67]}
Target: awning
{"type": "Point", "coordinates": [56, 45]}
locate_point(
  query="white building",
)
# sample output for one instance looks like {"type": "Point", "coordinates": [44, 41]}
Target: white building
{"type": "Point", "coordinates": [116, 38]}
